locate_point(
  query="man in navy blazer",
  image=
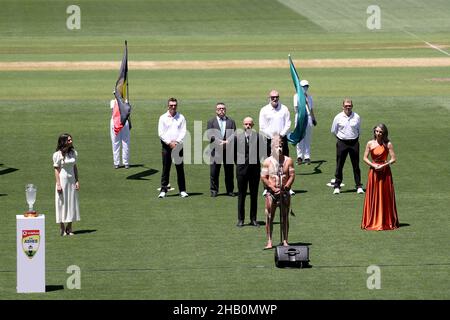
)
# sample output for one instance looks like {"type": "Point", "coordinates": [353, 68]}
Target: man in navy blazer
{"type": "Point", "coordinates": [220, 131]}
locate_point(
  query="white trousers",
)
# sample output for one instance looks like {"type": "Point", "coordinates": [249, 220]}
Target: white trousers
{"type": "Point", "coordinates": [123, 138]}
{"type": "Point", "coordinates": [304, 146]}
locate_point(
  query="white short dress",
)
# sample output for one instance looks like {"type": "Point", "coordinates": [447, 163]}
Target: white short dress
{"type": "Point", "coordinates": [66, 202]}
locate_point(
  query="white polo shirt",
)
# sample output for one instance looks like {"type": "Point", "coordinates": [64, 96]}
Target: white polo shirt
{"type": "Point", "coordinates": [172, 128]}
{"type": "Point", "coordinates": [346, 127]}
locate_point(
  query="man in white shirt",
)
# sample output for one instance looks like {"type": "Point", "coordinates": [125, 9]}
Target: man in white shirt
{"type": "Point", "coordinates": [274, 118]}
{"type": "Point", "coordinates": [122, 139]}
{"type": "Point", "coordinates": [346, 127]}
{"type": "Point", "coordinates": [171, 131]}
{"type": "Point", "coordinates": [304, 146]}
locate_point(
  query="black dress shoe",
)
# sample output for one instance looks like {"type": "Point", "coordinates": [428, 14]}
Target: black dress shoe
{"type": "Point", "coordinates": [231, 194]}
{"type": "Point", "coordinates": [213, 194]}
{"type": "Point", "coordinates": [254, 223]}
{"type": "Point", "coordinates": [240, 223]}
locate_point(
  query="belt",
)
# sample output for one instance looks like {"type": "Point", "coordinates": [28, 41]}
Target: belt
{"type": "Point", "coordinates": [348, 140]}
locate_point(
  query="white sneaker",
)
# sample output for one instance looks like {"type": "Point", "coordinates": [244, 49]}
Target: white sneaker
{"type": "Point", "coordinates": [292, 192]}
{"type": "Point", "coordinates": [336, 191]}
{"type": "Point", "coordinates": [162, 194]}
{"type": "Point", "coordinates": [264, 192]}
{"type": "Point", "coordinates": [360, 190]}
{"type": "Point", "coordinates": [184, 194]}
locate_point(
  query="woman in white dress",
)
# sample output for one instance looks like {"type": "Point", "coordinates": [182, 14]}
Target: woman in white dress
{"type": "Point", "coordinates": [67, 185]}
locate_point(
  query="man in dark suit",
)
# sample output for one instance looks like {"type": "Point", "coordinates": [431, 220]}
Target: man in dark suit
{"type": "Point", "coordinates": [247, 157]}
{"type": "Point", "coordinates": [220, 131]}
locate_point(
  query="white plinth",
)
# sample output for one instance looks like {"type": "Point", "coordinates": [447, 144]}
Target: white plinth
{"type": "Point", "coordinates": [30, 253]}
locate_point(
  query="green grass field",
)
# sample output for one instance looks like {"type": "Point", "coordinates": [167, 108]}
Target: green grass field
{"type": "Point", "coordinates": [133, 245]}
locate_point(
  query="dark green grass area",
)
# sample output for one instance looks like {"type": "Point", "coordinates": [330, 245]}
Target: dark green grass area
{"type": "Point", "coordinates": [215, 29]}
{"type": "Point", "coordinates": [133, 245]}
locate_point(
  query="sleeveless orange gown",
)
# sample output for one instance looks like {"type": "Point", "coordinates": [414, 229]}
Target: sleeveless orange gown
{"type": "Point", "coordinates": [380, 210]}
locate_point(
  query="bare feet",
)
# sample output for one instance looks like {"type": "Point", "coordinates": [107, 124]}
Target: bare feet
{"type": "Point", "coordinates": [269, 245]}
{"type": "Point", "coordinates": [285, 244]}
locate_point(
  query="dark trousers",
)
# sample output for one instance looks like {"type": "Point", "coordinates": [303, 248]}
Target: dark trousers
{"type": "Point", "coordinates": [285, 147]}
{"type": "Point", "coordinates": [344, 148]}
{"type": "Point", "coordinates": [214, 170]}
{"type": "Point", "coordinates": [167, 163]}
{"type": "Point", "coordinates": [248, 178]}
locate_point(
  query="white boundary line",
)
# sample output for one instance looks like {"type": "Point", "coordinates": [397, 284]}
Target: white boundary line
{"type": "Point", "coordinates": [427, 43]}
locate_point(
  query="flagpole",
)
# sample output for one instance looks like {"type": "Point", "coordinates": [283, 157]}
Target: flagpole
{"type": "Point", "coordinates": [126, 48]}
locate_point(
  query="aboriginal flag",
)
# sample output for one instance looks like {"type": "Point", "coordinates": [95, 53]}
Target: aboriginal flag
{"type": "Point", "coordinates": [122, 108]}
{"type": "Point", "coordinates": [302, 114]}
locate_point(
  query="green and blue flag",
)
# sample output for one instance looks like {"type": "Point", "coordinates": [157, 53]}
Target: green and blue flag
{"type": "Point", "coordinates": [302, 114]}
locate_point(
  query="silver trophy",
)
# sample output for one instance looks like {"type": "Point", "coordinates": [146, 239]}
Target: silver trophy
{"type": "Point", "coordinates": [30, 192]}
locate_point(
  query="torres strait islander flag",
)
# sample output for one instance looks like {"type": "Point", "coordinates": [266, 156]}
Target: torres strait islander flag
{"type": "Point", "coordinates": [302, 114]}
{"type": "Point", "coordinates": [122, 109]}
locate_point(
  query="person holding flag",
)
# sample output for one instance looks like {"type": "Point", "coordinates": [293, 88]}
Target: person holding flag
{"type": "Point", "coordinates": [120, 119]}
{"type": "Point", "coordinates": [120, 140]}
{"type": "Point", "coordinates": [304, 146]}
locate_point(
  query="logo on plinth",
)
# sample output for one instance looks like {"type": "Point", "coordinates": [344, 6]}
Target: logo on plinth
{"type": "Point", "coordinates": [30, 242]}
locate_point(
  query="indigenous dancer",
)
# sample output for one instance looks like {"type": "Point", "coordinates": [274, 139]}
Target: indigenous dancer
{"type": "Point", "coordinates": [278, 175]}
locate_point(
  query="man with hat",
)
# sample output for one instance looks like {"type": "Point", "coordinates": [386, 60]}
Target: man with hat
{"type": "Point", "coordinates": [346, 127]}
{"type": "Point", "coordinates": [304, 146]}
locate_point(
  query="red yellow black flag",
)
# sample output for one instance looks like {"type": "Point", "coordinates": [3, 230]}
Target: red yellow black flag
{"type": "Point", "coordinates": [122, 108]}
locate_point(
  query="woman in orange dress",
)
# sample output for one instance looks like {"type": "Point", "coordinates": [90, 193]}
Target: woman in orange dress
{"type": "Point", "coordinates": [380, 211]}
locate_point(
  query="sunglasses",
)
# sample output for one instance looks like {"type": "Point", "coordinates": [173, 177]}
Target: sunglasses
{"type": "Point", "coordinates": [172, 105]}
{"type": "Point", "coordinates": [274, 97]}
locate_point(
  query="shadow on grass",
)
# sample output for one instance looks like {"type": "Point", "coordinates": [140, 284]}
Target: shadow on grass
{"type": "Point", "coordinates": [300, 191]}
{"type": "Point", "coordinates": [51, 288]}
{"type": "Point", "coordinates": [225, 194]}
{"type": "Point", "coordinates": [84, 231]}
{"type": "Point", "coordinates": [316, 169]}
{"type": "Point", "coordinates": [136, 165]}
{"type": "Point", "coordinates": [7, 170]}
{"type": "Point", "coordinates": [348, 191]}
{"type": "Point", "coordinates": [177, 194]}
{"type": "Point", "coordinates": [3, 194]}
{"type": "Point", "coordinates": [142, 175]}
{"type": "Point", "coordinates": [300, 243]}
{"type": "Point", "coordinates": [401, 225]}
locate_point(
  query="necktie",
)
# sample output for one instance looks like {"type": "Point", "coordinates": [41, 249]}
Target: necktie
{"type": "Point", "coordinates": [222, 127]}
